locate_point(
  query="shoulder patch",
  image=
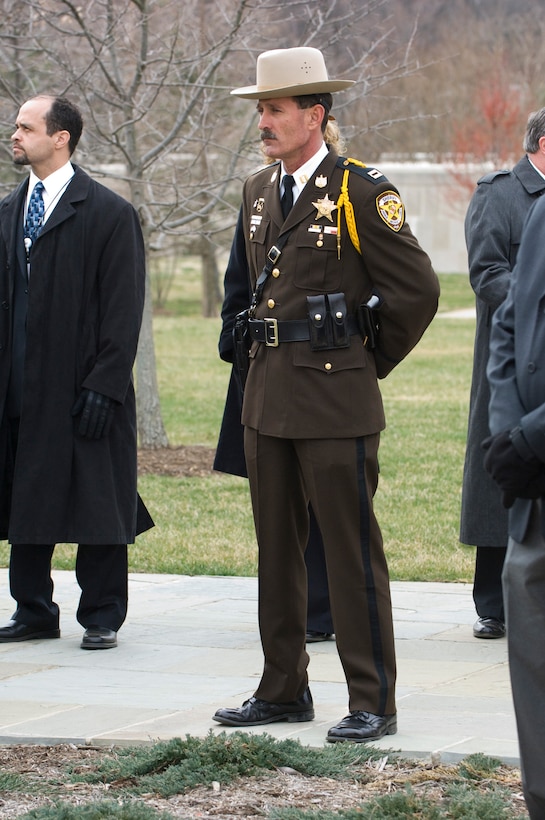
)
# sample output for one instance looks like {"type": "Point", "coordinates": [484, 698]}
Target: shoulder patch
{"type": "Point", "coordinates": [367, 172]}
{"type": "Point", "coordinates": [488, 178]}
{"type": "Point", "coordinates": [391, 210]}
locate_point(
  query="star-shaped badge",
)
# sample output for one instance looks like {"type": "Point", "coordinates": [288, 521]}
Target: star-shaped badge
{"type": "Point", "coordinates": [325, 207]}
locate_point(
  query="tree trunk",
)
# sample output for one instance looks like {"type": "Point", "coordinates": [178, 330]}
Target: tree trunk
{"type": "Point", "coordinates": [152, 434]}
{"type": "Point", "coordinates": [211, 296]}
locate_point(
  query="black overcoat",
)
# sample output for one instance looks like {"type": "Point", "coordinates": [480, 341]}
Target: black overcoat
{"type": "Point", "coordinates": [229, 456]}
{"type": "Point", "coordinates": [85, 302]}
{"type": "Point", "coordinates": [493, 227]}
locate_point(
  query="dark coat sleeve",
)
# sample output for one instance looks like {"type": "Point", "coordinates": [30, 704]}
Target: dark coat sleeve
{"type": "Point", "coordinates": [489, 228]}
{"type": "Point", "coordinates": [517, 343]}
{"type": "Point", "coordinates": [493, 228]}
{"type": "Point", "coordinates": [121, 289]}
{"type": "Point", "coordinates": [401, 273]}
{"type": "Point", "coordinates": [237, 291]}
{"type": "Point", "coordinates": [230, 449]}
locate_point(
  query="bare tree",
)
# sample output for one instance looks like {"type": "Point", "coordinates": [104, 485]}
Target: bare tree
{"type": "Point", "coordinates": [152, 78]}
{"type": "Point", "coordinates": [142, 86]}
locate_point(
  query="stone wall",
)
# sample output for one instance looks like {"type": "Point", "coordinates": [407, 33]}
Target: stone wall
{"type": "Point", "coordinates": [436, 197]}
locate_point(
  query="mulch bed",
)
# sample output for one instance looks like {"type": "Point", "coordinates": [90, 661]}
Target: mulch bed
{"type": "Point", "coordinates": [176, 461]}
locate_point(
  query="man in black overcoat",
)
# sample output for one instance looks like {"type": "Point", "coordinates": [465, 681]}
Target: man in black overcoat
{"type": "Point", "coordinates": [493, 227]}
{"type": "Point", "coordinates": [72, 278]}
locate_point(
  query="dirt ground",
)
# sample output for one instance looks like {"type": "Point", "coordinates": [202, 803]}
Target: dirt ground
{"type": "Point", "coordinates": [177, 461]}
{"type": "Point", "coordinates": [44, 769]}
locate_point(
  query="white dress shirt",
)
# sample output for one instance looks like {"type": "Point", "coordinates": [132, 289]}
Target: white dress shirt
{"type": "Point", "coordinates": [54, 187]}
{"type": "Point", "coordinates": [303, 174]}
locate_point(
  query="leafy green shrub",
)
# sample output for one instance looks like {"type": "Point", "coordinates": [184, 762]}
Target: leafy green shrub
{"type": "Point", "coordinates": [12, 782]}
{"type": "Point", "coordinates": [478, 766]}
{"type": "Point", "coordinates": [465, 803]}
{"type": "Point", "coordinates": [173, 766]}
{"type": "Point", "coordinates": [104, 810]}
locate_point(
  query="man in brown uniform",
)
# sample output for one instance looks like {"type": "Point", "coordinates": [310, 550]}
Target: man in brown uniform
{"type": "Point", "coordinates": [312, 408]}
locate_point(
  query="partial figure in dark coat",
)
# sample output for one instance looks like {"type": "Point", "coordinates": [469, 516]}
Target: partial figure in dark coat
{"type": "Point", "coordinates": [72, 286]}
{"type": "Point", "coordinates": [230, 450]}
{"type": "Point", "coordinates": [515, 458]}
{"type": "Point", "coordinates": [493, 226]}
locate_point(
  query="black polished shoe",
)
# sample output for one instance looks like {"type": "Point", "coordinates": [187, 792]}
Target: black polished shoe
{"type": "Point", "coordinates": [256, 712]}
{"type": "Point", "coordinates": [99, 637]}
{"type": "Point", "coordinates": [359, 727]}
{"type": "Point", "coordinates": [14, 631]}
{"type": "Point", "coordinates": [317, 637]}
{"type": "Point", "coordinates": [489, 628]}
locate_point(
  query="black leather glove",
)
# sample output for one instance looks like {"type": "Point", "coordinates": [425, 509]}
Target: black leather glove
{"type": "Point", "coordinates": [97, 412]}
{"type": "Point", "coordinates": [516, 476]}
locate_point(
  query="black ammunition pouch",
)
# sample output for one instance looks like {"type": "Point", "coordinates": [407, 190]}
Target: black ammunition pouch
{"type": "Point", "coordinates": [242, 343]}
{"type": "Point", "coordinates": [328, 321]}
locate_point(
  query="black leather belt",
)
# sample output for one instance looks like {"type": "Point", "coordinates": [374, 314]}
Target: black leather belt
{"type": "Point", "coordinates": [272, 332]}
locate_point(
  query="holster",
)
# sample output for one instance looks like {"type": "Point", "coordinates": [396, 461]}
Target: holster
{"type": "Point", "coordinates": [368, 324]}
{"type": "Point", "coordinates": [241, 343]}
{"type": "Point", "coordinates": [327, 319]}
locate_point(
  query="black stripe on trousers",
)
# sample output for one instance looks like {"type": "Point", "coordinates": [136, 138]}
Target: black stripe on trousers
{"type": "Point", "coordinates": [372, 606]}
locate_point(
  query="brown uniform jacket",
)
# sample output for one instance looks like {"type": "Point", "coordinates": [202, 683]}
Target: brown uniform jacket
{"type": "Point", "coordinates": [293, 391]}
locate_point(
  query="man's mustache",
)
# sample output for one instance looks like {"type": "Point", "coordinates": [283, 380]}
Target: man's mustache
{"type": "Point", "coordinates": [267, 135]}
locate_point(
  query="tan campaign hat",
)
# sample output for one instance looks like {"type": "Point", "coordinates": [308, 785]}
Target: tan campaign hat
{"type": "Point", "coordinates": [290, 72]}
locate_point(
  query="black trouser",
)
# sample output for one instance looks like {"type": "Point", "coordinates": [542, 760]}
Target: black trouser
{"type": "Point", "coordinates": [487, 586]}
{"type": "Point", "coordinates": [101, 572]}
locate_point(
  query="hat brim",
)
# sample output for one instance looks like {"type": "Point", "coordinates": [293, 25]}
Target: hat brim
{"type": "Point", "coordinates": [252, 92]}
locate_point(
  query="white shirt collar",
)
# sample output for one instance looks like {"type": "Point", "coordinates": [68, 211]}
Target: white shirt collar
{"type": "Point", "coordinates": [54, 186]}
{"type": "Point", "coordinates": [536, 169]}
{"type": "Point", "coordinates": [303, 174]}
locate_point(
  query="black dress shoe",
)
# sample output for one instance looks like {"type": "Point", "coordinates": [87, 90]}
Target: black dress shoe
{"type": "Point", "coordinates": [99, 637]}
{"type": "Point", "coordinates": [489, 628]}
{"type": "Point", "coordinates": [360, 727]}
{"type": "Point", "coordinates": [14, 631]}
{"type": "Point", "coordinates": [317, 637]}
{"type": "Point", "coordinates": [256, 712]}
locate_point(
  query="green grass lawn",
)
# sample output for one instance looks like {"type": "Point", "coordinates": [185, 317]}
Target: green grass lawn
{"type": "Point", "coordinates": [204, 525]}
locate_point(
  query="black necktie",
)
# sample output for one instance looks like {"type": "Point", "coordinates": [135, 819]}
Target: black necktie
{"type": "Point", "coordinates": [287, 196]}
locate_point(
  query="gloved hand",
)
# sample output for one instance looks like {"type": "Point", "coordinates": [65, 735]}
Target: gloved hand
{"type": "Point", "coordinates": [97, 412]}
{"type": "Point", "coordinates": [517, 477]}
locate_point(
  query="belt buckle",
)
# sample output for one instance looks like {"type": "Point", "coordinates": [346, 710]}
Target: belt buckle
{"type": "Point", "coordinates": [274, 254]}
{"type": "Point", "coordinates": [271, 332]}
